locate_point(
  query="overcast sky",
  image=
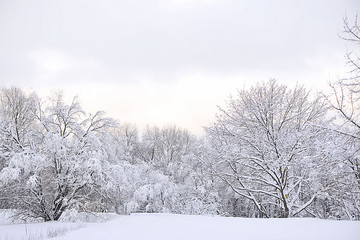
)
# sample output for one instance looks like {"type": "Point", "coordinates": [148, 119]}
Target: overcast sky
{"type": "Point", "coordinates": [168, 61]}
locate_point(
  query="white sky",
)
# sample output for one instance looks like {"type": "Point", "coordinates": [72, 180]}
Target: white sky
{"type": "Point", "coordinates": [168, 61]}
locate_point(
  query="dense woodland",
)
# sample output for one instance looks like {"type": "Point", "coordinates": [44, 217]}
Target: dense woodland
{"type": "Point", "coordinates": [273, 151]}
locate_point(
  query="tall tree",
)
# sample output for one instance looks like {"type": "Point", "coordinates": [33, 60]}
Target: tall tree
{"type": "Point", "coordinates": [345, 101]}
{"type": "Point", "coordinates": [263, 147]}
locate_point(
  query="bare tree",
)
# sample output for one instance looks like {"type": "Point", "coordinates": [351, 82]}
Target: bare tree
{"type": "Point", "coordinates": [345, 98]}
{"type": "Point", "coordinates": [351, 34]}
{"type": "Point", "coordinates": [345, 101]}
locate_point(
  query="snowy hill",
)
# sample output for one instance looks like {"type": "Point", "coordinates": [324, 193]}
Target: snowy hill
{"type": "Point", "coordinates": [176, 227]}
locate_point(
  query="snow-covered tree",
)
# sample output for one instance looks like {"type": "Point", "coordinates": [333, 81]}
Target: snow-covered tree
{"type": "Point", "coordinates": [64, 169]}
{"type": "Point", "coordinates": [126, 142]}
{"type": "Point", "coordinates": [164, 148]}
{"type": "Point", "coordinates": [16, 122]}
{"type": "Point", "coordinates": [264, 147]}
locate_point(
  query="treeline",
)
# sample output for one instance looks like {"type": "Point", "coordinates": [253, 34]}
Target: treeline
{"type": "Point", "coordinates": [55, 157]}
{"type": "Point", "coordinates": [273, 151]}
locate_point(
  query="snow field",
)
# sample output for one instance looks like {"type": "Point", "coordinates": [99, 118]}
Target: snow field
{"type": "Point", "coordinates": [185, 227]}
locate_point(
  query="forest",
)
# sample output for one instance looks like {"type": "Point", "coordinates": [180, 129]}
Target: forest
{"type": "Point", "coordinates": [272, 152]}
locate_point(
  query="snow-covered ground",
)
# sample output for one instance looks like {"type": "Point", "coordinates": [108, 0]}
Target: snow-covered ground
{"type": "Point", "coordinates": [10, 230]}
{"type": "Point", "coordinates": [174, 227]}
